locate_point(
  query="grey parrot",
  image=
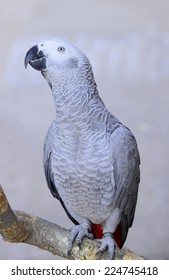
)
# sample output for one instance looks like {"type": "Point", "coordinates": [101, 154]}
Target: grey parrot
{"type": "Point", "coordinates": [91, 160]}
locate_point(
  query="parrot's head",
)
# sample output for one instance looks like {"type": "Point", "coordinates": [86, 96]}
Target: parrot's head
{"type": "Point", "coordinates": [54, 57]}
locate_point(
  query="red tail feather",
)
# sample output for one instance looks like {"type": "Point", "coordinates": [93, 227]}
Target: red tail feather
{"type": "Point", "coordinates": [117, 235]}
{"type": "Point", "coordinates": [98, 233]}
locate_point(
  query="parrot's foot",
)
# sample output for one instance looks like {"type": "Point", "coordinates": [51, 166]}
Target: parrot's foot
{"type": "Point", "coordinates": [107, 242]}
{"type": "Point", "coordinates": [77, 233]}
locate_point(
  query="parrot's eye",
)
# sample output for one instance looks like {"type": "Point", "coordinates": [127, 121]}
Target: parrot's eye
{"type": "Point", "coordinates": [61, 49]}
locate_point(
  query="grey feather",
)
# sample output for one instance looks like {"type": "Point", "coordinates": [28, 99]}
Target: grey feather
{"type": "Point", "coordinates": [127, 173]}
{"type": "Point", "coordinates": [48, 147]}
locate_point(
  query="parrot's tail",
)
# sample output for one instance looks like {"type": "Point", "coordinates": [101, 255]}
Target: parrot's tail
{"type": "Point", "coordinates": [98, 233]}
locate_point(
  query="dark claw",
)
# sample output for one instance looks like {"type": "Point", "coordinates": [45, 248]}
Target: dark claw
{"type": "Point", "coordinates": [107, 242]}
{"type": "Point", "coordinates": [99, 251]}
{"type": "Point", "coordinates": [77, 233]}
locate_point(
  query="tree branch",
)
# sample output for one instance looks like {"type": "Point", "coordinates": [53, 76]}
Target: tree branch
{"type": "Point", "coordinates": [17, 226]}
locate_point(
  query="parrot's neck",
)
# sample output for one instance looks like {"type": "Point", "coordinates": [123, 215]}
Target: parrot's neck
{"type": "Point", "coordinates": [78, 105]}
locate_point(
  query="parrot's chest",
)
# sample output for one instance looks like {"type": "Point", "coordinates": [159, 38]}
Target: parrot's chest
{"type": "Point", "coordinates": [84, 177]}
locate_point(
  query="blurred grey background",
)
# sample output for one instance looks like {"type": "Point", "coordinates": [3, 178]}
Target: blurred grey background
{"type": "Point", "coordinates": [127, 42]}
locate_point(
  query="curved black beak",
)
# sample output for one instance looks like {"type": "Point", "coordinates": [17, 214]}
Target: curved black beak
{"type": "Point", "coordinates": [35, 58]}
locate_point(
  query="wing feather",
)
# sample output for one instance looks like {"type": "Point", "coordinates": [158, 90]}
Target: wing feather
{"type": "Point", "coordinates": [48, 147]}
{"type": "Point", "coordinates": [47, 154]}
{"type": "Point", "coordinates": [126, 174]}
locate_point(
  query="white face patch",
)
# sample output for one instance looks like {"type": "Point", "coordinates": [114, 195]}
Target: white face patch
{"type": "Point", "coordinates": [58, 51]}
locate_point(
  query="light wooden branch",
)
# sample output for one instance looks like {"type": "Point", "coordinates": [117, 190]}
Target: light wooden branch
{"type": "Point", "coordinates": [17, 226]}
